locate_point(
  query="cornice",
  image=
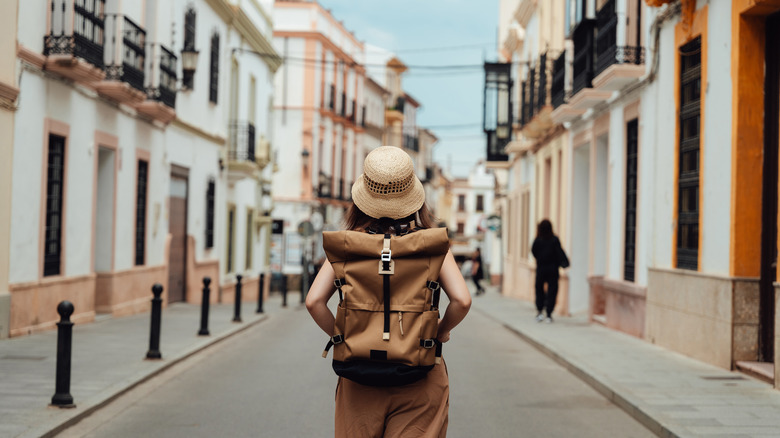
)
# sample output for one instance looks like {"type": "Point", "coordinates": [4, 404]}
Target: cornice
{"type": "Point", "coordinates": [235, 16]}
{"type": "Point", "coordinates": [198, 131]}
{"type": "Point", "coordinates": [256, 39]}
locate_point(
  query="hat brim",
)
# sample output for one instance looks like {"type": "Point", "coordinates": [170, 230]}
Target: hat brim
{"type": "Point", "coordinates": [393, 206]}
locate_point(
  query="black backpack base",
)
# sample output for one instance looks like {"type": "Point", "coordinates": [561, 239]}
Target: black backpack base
{"type": "Point", "coordinates": [371, 373]}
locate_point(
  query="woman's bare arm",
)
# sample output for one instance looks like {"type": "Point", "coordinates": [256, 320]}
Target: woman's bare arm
{"type": "Point", "coordinates": [317, 299]}
{"type": "Point", "coordinates": [454, 286]}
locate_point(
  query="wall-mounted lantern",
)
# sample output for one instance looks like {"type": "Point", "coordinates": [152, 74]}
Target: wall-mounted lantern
{"type": "Point", "coordinates": [497, 111]}
{"type": "Point", "coordinates": [189, 63]}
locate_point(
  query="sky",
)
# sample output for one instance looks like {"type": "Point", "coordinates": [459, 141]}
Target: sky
{"type": "Point", "coordinates": [427, 35]}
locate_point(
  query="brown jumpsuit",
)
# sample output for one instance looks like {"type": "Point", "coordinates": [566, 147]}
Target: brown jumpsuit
{"type": "Point", "coordinates": [419, 409]}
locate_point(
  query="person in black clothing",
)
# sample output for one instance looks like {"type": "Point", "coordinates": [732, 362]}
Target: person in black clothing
{"type": "Point", "coordinates": [549, 257]}
{"type": "Point", "coordinates": [476, 271]}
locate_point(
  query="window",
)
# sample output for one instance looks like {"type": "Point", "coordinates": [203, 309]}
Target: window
{"type": "Point", "coordinates": [214, 70]}
{"type": "Point", "coordinates": [52, 250]}
{"type": "Point", "coordinates": [461, 228]}
{"type": "Point", "coordinates": [140, 212]}
{"type": "Point", "coordinates": [688, 176]}
{"type": "Point", "coordinates": [629, 250]}
{"type": "Point", "coordinates": [230, 232]}
{"type": "Point", "coordinates": [210, 214]}
{"type": "Point", "coordinates": [461, 202]}
{"type": "Point", "coordinates": [525, 212]}
{"type": "Point", "coordinates": [480, 203]}
{"type": "Point", "coordinates": [248, 257]}
{"type": "Point", "coordinates": [189, 45]}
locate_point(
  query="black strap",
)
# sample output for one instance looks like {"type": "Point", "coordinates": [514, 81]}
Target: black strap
{"type": "Point", "coordinates": [386, 296]}
{"type": "Point", "coordinates": [331, 342]}
{"type": "Point", "coordinates": [339, 282]}
{"type": "Point", "coordinates": [435, 287]}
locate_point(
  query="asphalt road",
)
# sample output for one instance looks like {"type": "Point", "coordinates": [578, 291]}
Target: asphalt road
{"type": "Point", "coordinates": [270, 381]}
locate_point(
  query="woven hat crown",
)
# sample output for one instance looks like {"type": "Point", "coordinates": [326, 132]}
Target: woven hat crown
{"type": "Point", "coordinates": [388, 186]}
{"type": "Point", "coordinates": [388, 170]}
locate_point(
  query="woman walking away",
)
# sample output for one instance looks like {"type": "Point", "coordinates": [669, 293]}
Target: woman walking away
{"type": "Point", "coordinates": [476, 271]}
{"type": "Point", "coordinates": [549, 257]}
{"type": "Point", "coordinates": [389, 267]}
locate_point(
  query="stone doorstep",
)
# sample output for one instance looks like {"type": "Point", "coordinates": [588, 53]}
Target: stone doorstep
{"type": "Point", "coordinates": [764, 371]}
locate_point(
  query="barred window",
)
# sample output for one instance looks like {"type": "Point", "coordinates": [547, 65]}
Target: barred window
{"type": "Point", "coordinates": [688, 176]}
{"type": "Point", "coordinates": [629, 249]}
{"type": "Point", "coordinates": [55, 179]}
{"type": "Point", "coordinates": [210, 214]}
{"type": "Point", "coordinates": [230, 233]}
{"type": "Point", "coordinates": [214, 72]}
{"type": "Point", "coordinates": [140, 212]}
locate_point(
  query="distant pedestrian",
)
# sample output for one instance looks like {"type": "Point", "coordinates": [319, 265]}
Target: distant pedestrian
{"type": "Point", "coordinates": [549, 257]}
{"type": "Point", "coordinates": [389, 200]}
{"type": "Point", "coordinates": [476, 271]}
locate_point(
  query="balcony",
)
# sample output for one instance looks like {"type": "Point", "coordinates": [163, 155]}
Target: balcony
{"type": "Point", "coordinates": [536, 101]}
{"type": "Point", "coordinates": [241, 151]}
{"type": "Point", "coordinates": [126, 57]}
{"type": "Point", "coordinates": [75, 44]}
{"type": "Point", "coordinates": [616, 66]}
{"type": "Point", "coordinates": [560, 89]}
{"type": "Point", "coordinates": [411, 143]}
{"type": "Point", "coordinates": [161, 90]}
{"type": "Point", "coordinates": [583, 94]}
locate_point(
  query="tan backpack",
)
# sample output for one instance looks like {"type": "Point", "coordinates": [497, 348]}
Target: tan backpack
{"type": "Point", "coordinates": [388, 313]}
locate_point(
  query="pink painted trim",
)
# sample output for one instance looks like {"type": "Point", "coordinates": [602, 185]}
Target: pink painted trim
{"type": "Point", "coordinates": [55, 127]}
{"type": "Point", "coordinates": [141, 155]}
{"type": "Point", "coordinates": [108, 141]}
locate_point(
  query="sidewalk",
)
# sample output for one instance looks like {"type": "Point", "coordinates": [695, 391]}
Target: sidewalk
{"type": "Point", "coordinates": [671, 394]}
{"type": "Point", "coordinates": [108, 359]}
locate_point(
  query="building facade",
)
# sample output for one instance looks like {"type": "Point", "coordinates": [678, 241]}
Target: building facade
{"type": "Point", "coordinates": [133, 165]}
{"type": "Point", "coordinates": [668, 174]}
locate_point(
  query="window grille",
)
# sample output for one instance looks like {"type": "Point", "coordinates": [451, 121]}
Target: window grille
{"type": "Point", "coordinates": [140, 212]}
{"type": "Point", "coordinates": [629, 249]}
{"type": "Point", "coordinates": [214, 71]}
{"type": "Point", "coordinates": [54, 190]}
{"type": "Point", "coordinates": [210, 214]}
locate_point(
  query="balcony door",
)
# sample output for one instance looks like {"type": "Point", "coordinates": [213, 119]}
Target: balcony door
{"type": "Point", "coordinates": [769, 190]}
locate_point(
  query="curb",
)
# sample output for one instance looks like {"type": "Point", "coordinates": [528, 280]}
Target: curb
{"type": "Point", "coordinates": [602, 386]}
{"type": "Point", "coordinates": [101, 400]}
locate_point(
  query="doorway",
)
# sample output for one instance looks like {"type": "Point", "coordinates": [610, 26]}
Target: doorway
{"type": "Point", "coordinates": [177, 227]}
{"type": "Point", "coordinates": [766, 336]}
{"type": "Point", "coordinates": [104, 210]}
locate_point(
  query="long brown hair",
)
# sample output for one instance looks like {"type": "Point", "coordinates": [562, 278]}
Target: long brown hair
{"type": "Point", "coordinates": [355, 219]}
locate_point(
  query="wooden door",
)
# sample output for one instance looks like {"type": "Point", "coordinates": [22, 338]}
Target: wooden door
{"type": "Point", "coordinates": [177, 226]}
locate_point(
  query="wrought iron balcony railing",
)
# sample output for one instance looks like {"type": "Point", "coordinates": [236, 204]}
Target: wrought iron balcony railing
{"type": "Point", "coordinates": [324, 186]}
{"type": "Point", "coordinates": [558, 87]}
{"type": "Point", "coordinates": [78, 29]}
{"type": "Point", "coordinates": [583, 37]}
{"type": "Point", "coordinates": [125, 51]}
{"type": "Point", "coordinates": [241, 146]}
{"type": "Point", "coordinates": [164, 63]}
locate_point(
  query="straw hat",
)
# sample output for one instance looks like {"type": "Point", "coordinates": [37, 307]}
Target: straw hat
{"type": "Point", "coordinates": [388, 186]}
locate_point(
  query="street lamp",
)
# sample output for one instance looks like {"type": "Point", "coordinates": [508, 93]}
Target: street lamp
{"type": "Point", "coordinates": [189, 63]}
{"type": "Point", "coordinates": [497, 111]}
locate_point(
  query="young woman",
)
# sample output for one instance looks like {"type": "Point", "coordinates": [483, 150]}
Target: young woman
{"type": "Point", "coordinates": [389, 193]}
{"type": "Point", "coordinates": [549, 257]}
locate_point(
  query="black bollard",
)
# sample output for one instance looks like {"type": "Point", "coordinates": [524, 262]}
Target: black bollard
{"type": "Point", "coordinates": [204, 308]}
{"type": "Point", "coordinates": [237, 308]}
{"type": "Point", "coordinates": [284, 290]}
{"type": "Point", "coordinates": [154, 334]}
{"type": "Point", "coordinates": [62, 397]}
{"type": "Point", "coordinates": [260, 294]}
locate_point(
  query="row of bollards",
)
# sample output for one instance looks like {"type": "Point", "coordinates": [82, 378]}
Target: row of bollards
{"type": "Point", "coordinates": [62, 397]}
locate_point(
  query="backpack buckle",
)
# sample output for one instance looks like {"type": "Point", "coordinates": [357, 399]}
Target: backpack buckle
{"type": "Point", "coordinates": [433, 285]}
{"type": "Point", "coordinates": [337, 339]}
{"type": "Point", "coordinates": [390, 270]}
{"type": "Point", "coordinates": [386, 255]}
{"type": "Point", "coordinates": [338, 283]}
{"type": "Point", "coordinates": [427, 343]}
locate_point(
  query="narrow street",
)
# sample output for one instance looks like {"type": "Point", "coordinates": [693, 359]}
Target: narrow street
{"type": "Point", "coordinates": [270, 381]}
